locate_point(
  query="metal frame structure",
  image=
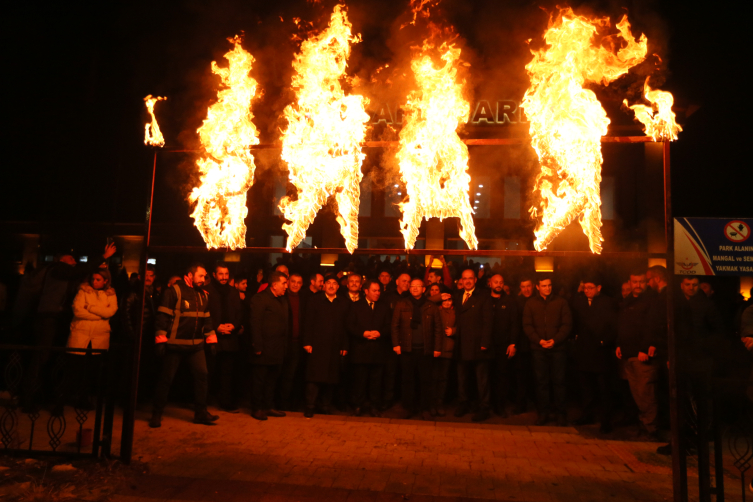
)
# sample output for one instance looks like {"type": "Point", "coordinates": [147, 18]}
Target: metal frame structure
{"type": "Point", "coordinates": [679, 464]}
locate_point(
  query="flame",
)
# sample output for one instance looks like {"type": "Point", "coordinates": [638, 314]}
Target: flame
{"type": "Point", "coordinates": [322, 143]}
{"type": "Point", "coordinates": [152, 134]}
{"type": "Point", "coordinates": [227, 168]}
{"type": "Point", "coordinates": [567, 121]}
{"type": "Point", "coordinates": [433, 160]}
{"type": "Point", "coordinates": [658, 118]}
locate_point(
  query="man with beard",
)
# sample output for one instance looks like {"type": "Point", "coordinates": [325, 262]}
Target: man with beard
{"type": "Point", "coordinates": [635, 351]}
{"type": "Point", "coordinates": [183, 325]}
{"type": "Point", "coordinates": [227, 311]}
{"type": "Point", "coordinates": [325, 339]}
{"type": "Point", "coordinates": [505, 336]}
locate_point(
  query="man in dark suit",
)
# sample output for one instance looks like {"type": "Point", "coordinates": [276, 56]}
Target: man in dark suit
{"type": "Point", "coordinates": [269, 335]}
{"type": "Point", "coordinates": [595, 329]}
{"type": "Point", "coordinates": [474, 320]}
{"type": "Point", "coordinates": [505, 336]}
{"type": "Point", "coordinates": [368, 328]}
{"type": "Point", "coordinates": [547, 321]}
{"type": "Point", "coordinates": [391, 296]}
{"type": "Point", "coordinates": [226, 310]}
{"type": "Point", "coordinates": [290, 375]}
{"type": "Point", "coordinates": [326, 341]}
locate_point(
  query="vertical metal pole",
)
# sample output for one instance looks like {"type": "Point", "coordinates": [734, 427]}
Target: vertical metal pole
{"type": "Point", "coordinates": [129, 410]}
{"type": "Point", "coordinates": [679, 461]}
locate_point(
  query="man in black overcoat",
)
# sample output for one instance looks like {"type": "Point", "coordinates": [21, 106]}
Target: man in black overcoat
{"type": "Point", "coordinates": [368, 328]}
{"type": "Point", "coordinates": [474, 320]}
{"type": "Point", "coordinates": [226, 310]}
{"type": "Point", "coordinates": [595, 329]}
{"type": "Point", "coordinates": [269, 335]}
{"type": "Point", "coordinates": [505, 332]}
{"type": "Point", "coordinates": [326, 341]}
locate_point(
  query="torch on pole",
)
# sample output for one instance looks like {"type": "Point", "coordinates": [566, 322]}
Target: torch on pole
{"type": "Point", "coordinates": [679, 460]}
{"type": "Point", "coordinates": [129, 410]}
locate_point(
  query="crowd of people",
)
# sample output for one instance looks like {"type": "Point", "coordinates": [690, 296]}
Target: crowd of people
{"type": "Point", "coordinates": [396, 336]}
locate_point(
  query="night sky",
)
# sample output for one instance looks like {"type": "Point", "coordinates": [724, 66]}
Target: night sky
{"type": "Point", "coordinates": [76, 78]}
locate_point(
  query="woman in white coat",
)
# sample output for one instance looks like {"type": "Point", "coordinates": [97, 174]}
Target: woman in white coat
{"type": "Point", "coordinates": [94, 305]}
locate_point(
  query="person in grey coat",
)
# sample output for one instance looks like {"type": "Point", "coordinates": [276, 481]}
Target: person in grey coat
{"type": "Point", "coordinates": [269, 335]}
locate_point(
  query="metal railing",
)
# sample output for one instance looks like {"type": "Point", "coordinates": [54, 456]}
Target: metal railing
{"type": "Point", "coordinates": [56, 400]}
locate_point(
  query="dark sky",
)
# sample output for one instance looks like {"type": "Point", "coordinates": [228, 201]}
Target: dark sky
{"type": "Point", "coordinates": [76, 78]}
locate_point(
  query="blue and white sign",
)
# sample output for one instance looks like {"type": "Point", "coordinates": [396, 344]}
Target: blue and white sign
{"type": "Point", "coordinates": [713, 246]}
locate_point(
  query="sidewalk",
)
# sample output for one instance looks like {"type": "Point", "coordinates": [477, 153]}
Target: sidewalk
{"type": "Point", "coordinates": [337, 458]}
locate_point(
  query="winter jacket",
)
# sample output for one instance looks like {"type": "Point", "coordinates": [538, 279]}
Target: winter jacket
{"type": "Point", "coordinates": [363, 318]}
{"type": "Point", "coordinates": [632, 326]}
{"type": "Point", "coordinates": [548, 319]}
{"type": "Point", "coordinates": [269, 328]}
{"type": "Point", "coordinates": [92, 310]}
{"type": "Point", "coordinates": [595, 330]}
{"type": "Point", "coordinates": [431, 324]}
{"type": "Point", "coordinates": [183, 319]}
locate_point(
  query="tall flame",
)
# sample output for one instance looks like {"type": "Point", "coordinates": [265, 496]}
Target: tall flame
{"type": "Point", "coordinates": [567, 121]}
{"type": "Point", "coordinates": [322, 143]}
{"type": "Point", "coordinates": [658, 118]}
{"type": "Point", "coordinates": [433, 160]}
{"type": "Point", "coordinates": [227, 168]}
{"type": "Point", "coordinates": [152, 134]}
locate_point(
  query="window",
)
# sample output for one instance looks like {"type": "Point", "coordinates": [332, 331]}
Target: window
{"type": "Point", "coordinates": [479, 194]}
{"type": "Point", "coordinates": [512, 197]}
{"type": "Point", "coordinates": [607, 198]}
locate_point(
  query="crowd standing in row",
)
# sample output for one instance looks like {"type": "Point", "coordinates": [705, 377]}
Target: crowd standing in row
{"type": "Point", "coordinates": [347, 339]}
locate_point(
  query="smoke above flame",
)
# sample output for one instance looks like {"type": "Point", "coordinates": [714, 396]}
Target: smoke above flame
{"type": "Point", "coordinates": [322, 142]}
{"type": "Point", "coordinates": [227, 167]}
{"type": "Point", "coordinates": [658, 119]}
{"type": "Point", "coordinates": [567, 121]}
{"type": "Point", "coordinates": [152, 134]}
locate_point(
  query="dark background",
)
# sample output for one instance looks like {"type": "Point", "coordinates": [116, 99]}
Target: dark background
{"type": "Point", "coordinates": [76, 77]}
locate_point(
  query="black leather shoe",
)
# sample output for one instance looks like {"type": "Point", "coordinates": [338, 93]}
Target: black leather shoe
{"type": "Point", "coordinates": [481, 415]}
{"type": "Point", "coordinates": [358, 412]}
{"type": "Point", "coordinates": [462, 410]}
{"type": "Point", "coordinates": [542, 419]}
{"type": "Point", "coordinates": [425, 415]}
{"type": "Point", "coordinates": [259, 415]}
{"type": "Point", "coordinates": [501, 412]}
{"type": "Point", "coordinates": [275, 413]}
{"type": "Point", "coordinates": [440, 411]}
{"type": "Point", "coordinates": [665, 450]}
{"type": "Point", "coordinates": [308, 412]}
{"type": "Point", "coordinates": [156, 421]}
{"type": "Point", "coordinates": [203, 417]}
{"type": "Point", "coordinates": [605, 428]}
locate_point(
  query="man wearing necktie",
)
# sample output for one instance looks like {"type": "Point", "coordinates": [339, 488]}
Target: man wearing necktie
{"type": "Point", "coordinates": [474, 321]}
{"type": "Point", "coordinates": [368, 328]}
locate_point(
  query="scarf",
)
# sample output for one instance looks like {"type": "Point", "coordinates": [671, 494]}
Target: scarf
{"type": "Point", "coordinates": [417, 304]}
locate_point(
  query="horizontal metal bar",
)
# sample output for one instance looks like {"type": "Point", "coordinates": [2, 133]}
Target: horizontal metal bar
{"type": "Point", "coordinates": [469, 142]}
{"type": "Point", "coordinates": [417, 252]}
{"type": "Point", "coordinates": [52, 349]}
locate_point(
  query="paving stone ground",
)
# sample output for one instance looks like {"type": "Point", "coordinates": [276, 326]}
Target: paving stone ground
{"type": "Point", "coordinates": [339, 458]}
